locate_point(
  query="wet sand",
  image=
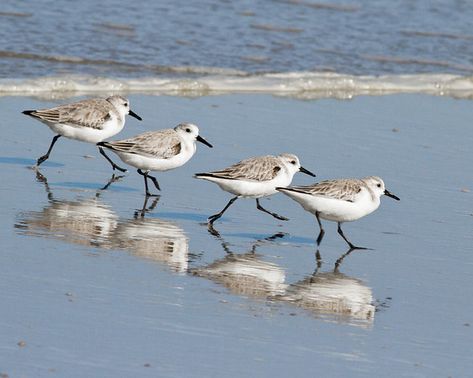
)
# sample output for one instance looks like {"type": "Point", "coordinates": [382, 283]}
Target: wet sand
{"type": "Point", "coordinates": [91, 288]}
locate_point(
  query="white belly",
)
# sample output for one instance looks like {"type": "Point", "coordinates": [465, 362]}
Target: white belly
{"type": "Point", "coordinates": [334, 209]}
{"type": "Point", "coordinates": [154, 164]}
{"type": "Point", "coordinates": [251, 188]}
{"type": "Point", "coordinates": [87, 134]}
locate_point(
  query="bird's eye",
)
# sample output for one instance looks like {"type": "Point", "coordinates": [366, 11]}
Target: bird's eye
{"type": "Point", "coordinates": [125, 105]}
{"type": "Point", "coordinates": [293, 162]}
{"type": "Point", "coordinates": [188, 130]}
{"type": "Point", "coordinates": [379, 185]}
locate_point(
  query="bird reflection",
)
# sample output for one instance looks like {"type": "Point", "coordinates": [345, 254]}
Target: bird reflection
{"type": "Point", "coordinates": [84, 221]}
{"type": "Point", "coordinates": [246, 273]}
{"type": "Point", "coordinates": [333, 295]}
{"type": "Point", "coordinates": [153, 239]}
{"type": "Point", "coordinates": [89, 222]}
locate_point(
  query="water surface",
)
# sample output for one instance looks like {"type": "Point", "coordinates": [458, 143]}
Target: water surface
{"type": "Point", "coordinates": [142, 38]}
{"type": "Point", "coordinates": [91, 288]}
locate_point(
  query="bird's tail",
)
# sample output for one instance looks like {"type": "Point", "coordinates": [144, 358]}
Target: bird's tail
{"type": "Point", "coordinates": [29, 112]}
{"type": "Point", "coordinates": [202, 175]}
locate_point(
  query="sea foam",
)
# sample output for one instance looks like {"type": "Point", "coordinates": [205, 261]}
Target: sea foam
{"type": "Point", "coordinates": [304, 85]}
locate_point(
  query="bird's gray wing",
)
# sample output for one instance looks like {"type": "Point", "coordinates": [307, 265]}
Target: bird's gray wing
{"type": "Point", "coordinates": [342, 189]}
{"type": "Point", "coordinates": [91, 113]}
{"type": "Point", "coordinates": [163, 144]}
{"type": "Point", "coordinates": [262, 168]}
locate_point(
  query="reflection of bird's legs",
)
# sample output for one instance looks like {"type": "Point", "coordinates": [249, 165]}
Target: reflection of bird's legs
{"type": "Point", "coordinates": [46, 156]}
{"type": "Point", "coordinates": [318, 259]}
{"type": "Point", "coordinates": [144, 210]}
{"type": "Point", "coordinates": [114, 166]}
{"type": "Point", "coordinates": [259, 207]}
{"type": "Point", "coordinates": [154, 204]}
{"type": "Point", "coordinates": [341, 258]}
{"type": "Point", "coordinates": [110, 182]}
{"type": "Point", "coordinates": [275, 236]}
{"type": "Point", "coordinates": [44, 180]}
{"type": "Point", "coordinates": [212, 230]}
{"type": "Point", "coordinates": [226, 245]}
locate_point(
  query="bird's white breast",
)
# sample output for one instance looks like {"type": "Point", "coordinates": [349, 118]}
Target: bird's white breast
{"type": "Point", "coordinates": [252, 188]}
{"type": "Point", "coordinates": [89, 134]}
{"type": "Point", "coordinates": [335, 209]}
{"type": "Point", "coordinates": [150, 163]}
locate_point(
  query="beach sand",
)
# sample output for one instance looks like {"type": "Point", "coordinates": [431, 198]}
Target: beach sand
{"type": "Point", "coordinates": [88, 290]}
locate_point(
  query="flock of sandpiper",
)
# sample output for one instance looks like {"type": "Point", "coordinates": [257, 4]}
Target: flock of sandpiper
{"type": "Point", "coordinates": [94, 120]}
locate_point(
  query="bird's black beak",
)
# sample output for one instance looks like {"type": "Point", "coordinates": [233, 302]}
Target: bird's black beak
{"type": "Point", "coordinates": [303, 170]}
{"type": "Point", "coordinates": [133, 114]}
{"type": "Point", "coordinates": [202, 140]}
{"type": "Point", "coordinates": [387, 193]}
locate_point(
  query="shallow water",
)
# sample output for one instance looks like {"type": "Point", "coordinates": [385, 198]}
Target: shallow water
{"type": "Point", "coordinates": [91, 288]}
{"type": "Point", "coordinates": [145, 38]}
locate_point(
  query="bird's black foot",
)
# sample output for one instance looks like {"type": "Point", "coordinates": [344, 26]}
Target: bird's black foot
{"type": "Point", "coordinates": [148, 194]}
{"type": "Point", "coordinates": [114, 166]}
{"type": "Point", "coordinates": [353, 247]}
{"type": "Point", "coordinates": [280, 217]}
{"type": "Point", "coordinates": [213, 218]}
{"type": "Point", "coordinates": [41, 160]}
{"type": "Point", "coordinates": [277, 216]}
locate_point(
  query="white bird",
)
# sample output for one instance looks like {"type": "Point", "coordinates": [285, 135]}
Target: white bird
{"type": "Point", "coordinates": [342, 200]}
{"type": "Point", "coordinates": [158, 150]}
{"type": "Point", "coordinates": [91, 120]}
{"type": "Point", "coordinates": [255, 178]}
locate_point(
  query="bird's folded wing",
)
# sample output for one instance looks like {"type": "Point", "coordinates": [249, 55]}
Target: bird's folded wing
{"type": "Point", "coordinates": [260, 169]}
{"type": "Point", "coordinates": [345, 190]}
{"type": "Point", "coordinates": [163, 144]}
{"type": "Point", "coordinates": [88, 113]}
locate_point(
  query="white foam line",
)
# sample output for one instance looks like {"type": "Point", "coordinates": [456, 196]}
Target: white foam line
{"type": "Point", "coordinates": [294, 84]}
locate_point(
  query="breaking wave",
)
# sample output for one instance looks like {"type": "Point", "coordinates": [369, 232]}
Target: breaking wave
{"type": "Point", "coordinates": [204, 81]}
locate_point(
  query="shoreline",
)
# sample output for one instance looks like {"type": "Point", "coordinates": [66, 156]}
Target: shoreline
{"type": "Point", "coordinates": [298, 85]}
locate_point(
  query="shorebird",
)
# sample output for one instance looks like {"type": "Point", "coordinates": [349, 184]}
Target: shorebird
{"type": "Point", "coordinates": [91, 121]}
{"type": "Point", "coordinates": [255, 177]}
{"type": "Point", "coordinates": [158, 150]}
{"type": "Point", "coordinates": [342, 200]}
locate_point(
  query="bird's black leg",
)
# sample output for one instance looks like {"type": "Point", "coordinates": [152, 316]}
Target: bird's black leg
{"type": "Point", "coordinates": [214, 217]}
{"type": "Point", "coordinates": [259, 207]}
{"type": "Point", "coordinates": [322, 231]}
{"type": "Point", "coordinates": [155, 181]}
{"type": "Point", "coordinates": [146, 181]}
{"type": "Point", "coordinates": [145, 175]}
{"type": "Point", "coordinates": [45, 157]}
{"type": "Point", "coordinates": [341, 258]}
{"type": "Point", "coordinates": [348, 241]}
{"type": "Point", "coordinates": [114, 166]}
